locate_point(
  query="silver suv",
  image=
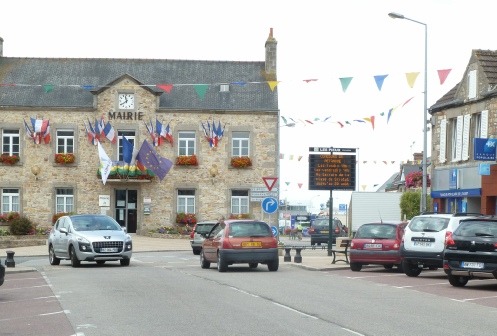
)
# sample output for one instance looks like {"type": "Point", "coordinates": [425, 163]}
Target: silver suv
{"type": "Point", "coordinates": [424, 240]}
{"type": "Point", "coordinates": [196, 235]}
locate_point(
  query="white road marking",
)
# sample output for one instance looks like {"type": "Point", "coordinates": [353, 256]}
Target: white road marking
{"type": "Point", "coordinates": [22, 288]}
{"type": "Point", "coordinates": [353, 332]}
{"type": "Point", "coordinates": [27, 317]}
{"type": "Point", "coordinates": [376, 276]}
{"type": "Point", "coordinates": [477, 298]}
{"type": "Point", "coordinates": [296, 311]}
{"type": "Point", "coordinates": [433, 284]}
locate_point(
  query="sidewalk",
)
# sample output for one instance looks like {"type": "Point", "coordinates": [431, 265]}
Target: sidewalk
{"type": "Point", "coordinates": [313, 260]}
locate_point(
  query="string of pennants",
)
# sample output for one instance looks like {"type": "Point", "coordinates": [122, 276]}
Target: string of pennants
{"type": "Point", "coordinates": [363, 186]}
{"type": "Point", "coordinates": [201, 89]}
{"type": "Point", "coordinates": [292, 157]}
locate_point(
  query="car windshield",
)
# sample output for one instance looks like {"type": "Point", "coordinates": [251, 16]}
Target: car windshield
{"type": "Point", "coordinates": [253, 229]}
{"type": "Point", "coordinates": [428, 224]}
{"type": "Point", "coordinates": [94, 223]}
{"type": "Point", "coordinates": [204, 228]}
{"type": "Point", "coordinates": [323, 223]}
{"type": "Point", "coordinates": [376, 231]}
{"type": "Point", "coordinates": [477, 229]}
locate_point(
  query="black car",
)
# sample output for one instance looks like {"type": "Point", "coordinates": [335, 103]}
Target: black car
{"type": "Point", "coordinates": [320, 230]}
{"type": "Point", "coordinates": [471, 251]}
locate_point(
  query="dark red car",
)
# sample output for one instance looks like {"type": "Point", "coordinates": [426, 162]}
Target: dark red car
{"type": "Point", "coordinates": [240, 242]}
{"type": "Point", "coordinates": [377, 243]}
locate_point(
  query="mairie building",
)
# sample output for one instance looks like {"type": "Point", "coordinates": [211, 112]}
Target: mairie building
{"type": "Point", "coordinates": [71, 97]}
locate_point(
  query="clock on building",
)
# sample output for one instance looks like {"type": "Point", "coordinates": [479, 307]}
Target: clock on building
{"type": "Point", "coordinates": [126, 101]}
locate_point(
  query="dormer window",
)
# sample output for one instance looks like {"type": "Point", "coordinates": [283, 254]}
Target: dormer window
{"type": "Point", "coordinates": [224, 88]}
{"type": "Point", "coordinates": [472, 84]}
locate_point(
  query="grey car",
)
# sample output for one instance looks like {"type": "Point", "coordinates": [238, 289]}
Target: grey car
{"type": "Point", "coordinates": [94, 238]}
{"type": "Point", "coordinates": [197, 238]}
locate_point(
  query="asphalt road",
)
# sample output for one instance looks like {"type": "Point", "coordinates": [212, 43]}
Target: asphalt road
{"type": "Point", "coordinates": [167, 293]}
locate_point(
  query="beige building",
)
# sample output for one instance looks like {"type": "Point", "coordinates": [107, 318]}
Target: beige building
{"type": "Point", "coordinates": [129, 93]}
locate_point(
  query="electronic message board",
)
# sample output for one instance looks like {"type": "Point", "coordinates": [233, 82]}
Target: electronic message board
{"type": "Point", "coordinates": [332, 172]}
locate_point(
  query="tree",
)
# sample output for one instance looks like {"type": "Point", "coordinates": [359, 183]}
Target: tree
{"type": "Point", "coordinates": [409, 203]}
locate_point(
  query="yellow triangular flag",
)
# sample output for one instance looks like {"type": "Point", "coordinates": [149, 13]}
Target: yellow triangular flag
{"type": "Point", "coordinates": [411, 78]}
{"type": "Point", "coordinates": [272, 84]}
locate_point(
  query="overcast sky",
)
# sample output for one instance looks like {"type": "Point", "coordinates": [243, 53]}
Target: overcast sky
{"type": "Point", "coordinates": [324, 40]}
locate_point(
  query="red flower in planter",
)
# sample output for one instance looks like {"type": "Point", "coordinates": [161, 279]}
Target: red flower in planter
{"type": "Point", "coordinates": [10, 159]}
{"type": "Point", "coordinates": [187, 160]}
{"type": "Point", "coordinates": [64, 158]}
{"type": "Point", "coordinates": [241, 162]}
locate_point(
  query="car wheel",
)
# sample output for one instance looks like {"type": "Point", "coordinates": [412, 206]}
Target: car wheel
{"type": "Point", "coordinates": [388, 267]}
{"type": "Point", "coordinates": [458, 281]}
{"type": "Point", "coordinates": [410, 269]}
{"type": "Point", "coordinates": [124, 262]}
{"type": "Point", "coordinates": [253, 265]}
{"type": "Point", "coordinates": [204, 263]}
{"type": "Point", "coordinates": [100, 262]}
{"type": "Point", "coordinates": [273, 265]}
{"type": "Point", "coordinates": [196, 251]}
{"type": "Point", "coordinates": [222, 266]}
{"type": "Point", "coordinates": [52, 258]}
{"type": "Point", "coordinates": [74, 258]}
{"type": "Point", "coordinates": [355, 267]}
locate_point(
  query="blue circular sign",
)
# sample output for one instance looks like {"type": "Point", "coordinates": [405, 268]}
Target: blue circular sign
{"type": "Point", "coordinates": [269, 205]}
{"type": "Point", "coordinates": [275, 230]}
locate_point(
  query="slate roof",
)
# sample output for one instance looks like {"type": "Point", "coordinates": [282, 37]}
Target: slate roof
{"type": "Point", "coordinates": [75, 72]}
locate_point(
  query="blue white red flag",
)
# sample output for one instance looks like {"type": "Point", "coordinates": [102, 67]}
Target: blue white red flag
{"type": "Point", "coordinates": [102, 127]}
{"type": "Point", "coordinates": [46, 135]}
{"type": "Point", "coordinates": [97, 130]}
{"type": "Point", "coordinates": [150, 129]}
{"type": "Point", "coordinates": [169, 135]}
{"type": "Point", "coordinates": [94, 139]}
{"type": "Point", "coordinates": [29, 134]}
{"type": "Point", "coordinates": [110, 133]}
{"type": "Point", "coordinates": [161, 132]}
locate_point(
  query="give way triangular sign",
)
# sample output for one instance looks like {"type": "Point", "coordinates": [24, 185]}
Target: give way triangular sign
{"type": "Point", "coordinates": [270, 182]}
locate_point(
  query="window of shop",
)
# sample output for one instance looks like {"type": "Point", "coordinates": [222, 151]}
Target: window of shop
{"type": "Point", "coordinates": [65, 142]}
{"type": "Point", "coordinates": [239, 202]}
{"type": "Point", "coordinates": [456, 138]}
{"type": "Point", "coordinates": [10, 200]}
{"type": "Point", "coordinates": [240, 143]}
{"type": "Point", "coordinates": [186, 143]}
{"type": "Point", "coordinates": [10, 142]}
{"type": "Point", "coordinates": [130, 136]}
{"type": "Point", "coordinates": [64, 200]}
{"type": "Point", "coordinates": [186, 201]}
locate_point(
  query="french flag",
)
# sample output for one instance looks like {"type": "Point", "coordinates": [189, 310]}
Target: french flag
{"type": "Point", "coordinates": [102, 127]}
{"type": "Point", "coordinates": [169, 135]}
{"type": "Point", "coordinates": [97, 130]}
{"type": "Point", "coordinates": [214, 138]}
{"type": "Point", "coordinates": [110, 133]}
{"type": "Point", "coordinates": [161, 132]}
{"type": "Point", "coordinates": [46, 135]}
{"type": "Point", "coordinates": [94, 139]}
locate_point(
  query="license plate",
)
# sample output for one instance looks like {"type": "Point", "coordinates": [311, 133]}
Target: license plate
{"type": "Point", "coordinates": [108, 249]}
{"type": "Point", "coordinates": [251, 244]}
{"type": "Point", "coordinates": [372, 246]}
{"type": "Point", "coordinates": [471, 264]}
{"type": "Point", "coordinates": [423, 244]}
{"type": "Point", "coordinates": [325, 231]}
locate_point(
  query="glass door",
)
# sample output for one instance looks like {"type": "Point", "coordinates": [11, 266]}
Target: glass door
{"type": "Point", "coordinates": [126, 208]}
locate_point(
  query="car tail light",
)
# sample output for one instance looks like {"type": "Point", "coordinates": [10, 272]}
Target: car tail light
{"type": "Point", "coordinates": [311, 230]}
{"type": "Point", "coordinates": [448, 239]}
{"type": "Point", "coordinates": [352, 245]}
{"type": "Point", "coordinates": [403, 236]}
{"type": "Point", "coordinates": [193, 231]}
{"type": "Point", "coordinates": [396, 245]}
{"type": "Point", "coordinates": [446, 264]}
{"type": "Point", "coordinates": [227, 244]}
{"type": "Point", "coordinates": [337, 230]}
{"type": "Point", "coordinates": [273, 243]}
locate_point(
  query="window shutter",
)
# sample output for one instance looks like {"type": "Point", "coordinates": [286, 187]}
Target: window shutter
{"type": "Point", "coordinates": [465, 137]}
{"type": "Point", "coordinates": [472, 84]}
{"type": "Point", "coordinates": [484, 124]}
{"type": "Point", "coordinates": [443, 140]}
{"type": "Point", "coordinates": [459, 128]}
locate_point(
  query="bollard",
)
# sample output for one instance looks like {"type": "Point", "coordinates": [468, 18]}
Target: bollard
{"type": "Point", "coordinates": [9, 262]}
{"type": "Point", "coordinates": [287, 256]}
{"type": "Point", "coordinates": [298, 257]}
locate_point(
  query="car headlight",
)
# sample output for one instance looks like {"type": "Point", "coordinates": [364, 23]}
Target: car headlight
{"type": "Point", "coordinates": [84, 244]}
{"type": "Point", "coordinates": [128, 245]}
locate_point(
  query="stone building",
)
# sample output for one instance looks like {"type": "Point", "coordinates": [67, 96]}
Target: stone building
{"type": "Point", "coordinates": [187, 95]}
{"type": "Point", "coordinates": [463, 140]}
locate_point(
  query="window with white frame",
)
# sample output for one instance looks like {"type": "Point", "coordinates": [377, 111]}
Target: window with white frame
{"type": "Point", "coordinates": [64, 200]}
{"type": "Point", "coordinates": [10, 200]}
{"type": "Point", "coordinates": [10, 142]}
{"type": "Point", "coordinates": [239, 202]}
{"type": "Point", "coordinates": [456, 137]}
{"type": "Point", "coordinates": [186, 143]}
{"type": "Point", "coordinates": [240, 143]}
{"type": "Point", "coordinates": [472, 84]}
{"type": "Point", "coordinates": [186, 201]}
{"type": "Point", "coordinates": [65, 142]}
{"type": "Point", "coordinates": [476, 124]}
{"type": "Point", "coordinates": [130, 136]}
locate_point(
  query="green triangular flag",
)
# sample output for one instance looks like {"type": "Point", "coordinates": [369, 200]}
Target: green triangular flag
{"type": "Point", "coordinates": [200, 89]}
{"type": "Point", "coordinates": [345, 82]}
{"type": "Point", "coordinates": [48, 88]}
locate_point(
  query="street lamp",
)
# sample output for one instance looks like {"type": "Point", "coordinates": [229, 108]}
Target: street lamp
{"type": "Point", "coordinates": [425, 110]}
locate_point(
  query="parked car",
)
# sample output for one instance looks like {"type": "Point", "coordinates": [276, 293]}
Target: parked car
{"type": "Point", "coordinates": [424, 239]}
{"type": "Point", "coordinates": [377, 243]}
{"type": "Point", "coordinates": [95, 238]}
{"type": "Point", "coordinates": [2, 273]}
{"type": "Point", "coordinates": [470, 251]}
{"type": "Point", "coordinates": [240, 242]}
{"type": "Point", "coordinates": [196, 235]}
{"type": "Point", "coordinates": [320, 230]}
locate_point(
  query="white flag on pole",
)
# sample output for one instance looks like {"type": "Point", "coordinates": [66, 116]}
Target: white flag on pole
{"type": "Point", "coordinates": [105, 163]}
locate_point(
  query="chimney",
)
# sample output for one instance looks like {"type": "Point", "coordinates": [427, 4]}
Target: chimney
{"type": "Point", "coordinates": [270, 70]}
{"type": "Point", "coordinates": [1, 47]}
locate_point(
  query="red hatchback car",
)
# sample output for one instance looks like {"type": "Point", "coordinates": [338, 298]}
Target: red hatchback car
{"type": "Point", "coordinates": [240, 242]}
{"type": "Point", "coordinates": [377, 243]}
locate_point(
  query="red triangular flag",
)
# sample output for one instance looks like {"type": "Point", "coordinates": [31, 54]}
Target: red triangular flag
{"type": "Point", "coordinates": [165, 87]}
{"type": "Point", "coordinates": [442, 74]}
{"type": "Point", "coordinates": [300, 185]}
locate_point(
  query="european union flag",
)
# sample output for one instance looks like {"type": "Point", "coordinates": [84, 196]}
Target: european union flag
{"type": "Point", "coordinates": [148, 158]}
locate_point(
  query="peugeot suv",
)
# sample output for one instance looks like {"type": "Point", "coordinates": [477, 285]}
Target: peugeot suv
{"type": "Point", "coordinates": [471, 251]}
{"type": "Point", "coordinates": [424, 240]}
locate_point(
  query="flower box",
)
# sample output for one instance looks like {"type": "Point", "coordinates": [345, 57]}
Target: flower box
{"type": "Point", "coordinates": [65, 158]}
{"type": "Point", "coordinates": [241, 162]}
{"type": "Point", "coordinates": [240, 216]}
{"type": "Point", "coordinates": [10, 159]}
{"type": "Point", "coordinates": [187, 160]}
{"type": "Point", "coordinates": [186, 218]}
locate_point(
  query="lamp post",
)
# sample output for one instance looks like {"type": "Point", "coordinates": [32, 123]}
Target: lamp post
{"type": "Point", "coordinates": [425, 110]}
